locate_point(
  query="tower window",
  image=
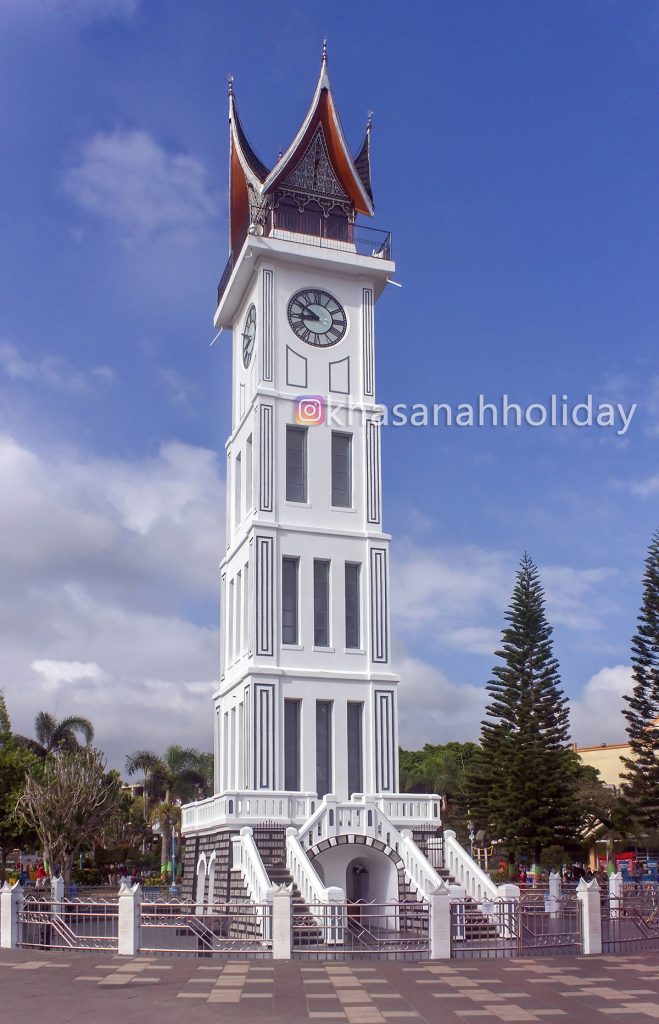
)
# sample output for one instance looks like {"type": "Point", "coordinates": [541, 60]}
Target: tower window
{"type": "Point", "coordinates": [292, 745]}
{"type": "Point", "coordinates": [323, 747]}
{"type": "Point", "coordinates": [341, 470]}
{"type": "Point", "coordinates": [321, 571]}
{"type": "Point", "coordinates": [289, 586]}
{"type": "Point", "coordinates": [296, 463]}
{"type": "Point", "coordinates": [352, 603]}
{"type": "Point", "coordinates": [355, 747]}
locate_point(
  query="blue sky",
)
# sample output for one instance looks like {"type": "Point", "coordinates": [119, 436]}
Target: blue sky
{"type": "Point", "coordinates": [515, 161]}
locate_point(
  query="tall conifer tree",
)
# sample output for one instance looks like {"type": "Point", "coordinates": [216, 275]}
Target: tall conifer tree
{"type": "Point", "coordinates": [525, 785]}
{"type": "Point", "coordinates": [642, 710]}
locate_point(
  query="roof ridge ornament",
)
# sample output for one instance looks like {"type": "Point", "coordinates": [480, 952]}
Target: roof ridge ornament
{"type": "Point", "coordinates": [324, 60]}
{"type": "Point", "coordinates": [230, 81]}
{"type": "Point", "coordinates": [369, 120]}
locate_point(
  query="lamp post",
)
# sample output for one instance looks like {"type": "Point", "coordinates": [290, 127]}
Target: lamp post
{"type": "Point", "coordinates": [472, 829]}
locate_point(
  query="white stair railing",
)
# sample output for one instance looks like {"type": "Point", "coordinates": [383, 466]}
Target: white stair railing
{"type": "Point", "coordinates": [418, 868]}
{"type": "Point", "coordinates": [326, 903]}
{"type": "Point", "coordinates": [467, 872]}
{"type": "Point", "coordinates": [247, 860]}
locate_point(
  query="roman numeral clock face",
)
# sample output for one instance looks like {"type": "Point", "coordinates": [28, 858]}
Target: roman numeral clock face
{"type": "Point", "coordinates": [317, 318]}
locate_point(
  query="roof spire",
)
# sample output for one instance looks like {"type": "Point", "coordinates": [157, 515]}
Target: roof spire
{"type": "Point", "coordinates": [324, 60]}
{"type": "Point", "coordinates": [369, 121]}
{"type": "Point", "coordinates": [230, 81]}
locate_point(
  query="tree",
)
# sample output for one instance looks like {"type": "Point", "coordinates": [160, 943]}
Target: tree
{"type": "Point", "coordinates": [641, 783]}
{"type": "Point", "coordinates": [68, 803]}
{"type": "Point", "coordinates": [15, 762]}
{"type": "Point", "coordinates": [53, 735]}
{"type": "Point", "coordinates": [181, 774]}
{"type": "Point", "coordinates": [524, 781]}
{"type": "Point", "coordinates": [444, 769]}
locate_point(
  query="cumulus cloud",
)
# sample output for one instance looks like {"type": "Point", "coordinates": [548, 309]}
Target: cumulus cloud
{"type": "Point", "coordinates": [50, 371]}
{"type": "Point", "coordinates": [128, 178]}
{"type": "Point", "coordinates": [455, 597]}
{"type": "Point", "coordinates": [109, 600]}
{"type": "Point", "coordinates": [432, 708]}
{"type": "Point", "coordinates": [595, 716]}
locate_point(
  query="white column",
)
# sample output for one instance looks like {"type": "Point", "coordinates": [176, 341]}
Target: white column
{"type": "Point", "coordinates": [507, 912]}
{"type": "Point", "coordinates": [130, 919]}
{"type": "Point", "coordinates": [11, 904]}
{"type": "Point", "coordinates": [553, 903]}
{"type": "Point", "coordinates": [57, 894]}
{"type": "Point", "coordinates": [282, 930]}
{"type": "Point", "coordinates": [588, 893]}
{"type": "Point", "coordinates": [615, 893]}
{"type": "Point", "coordinates": [440, 923]}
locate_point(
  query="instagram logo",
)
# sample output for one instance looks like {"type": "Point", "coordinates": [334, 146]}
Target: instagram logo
{"type": "Point", "coordinates": [309, 410]}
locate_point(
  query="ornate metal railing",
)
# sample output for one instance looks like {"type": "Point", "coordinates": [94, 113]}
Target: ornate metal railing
{"type": "Point", "coordinates": [310, 228]}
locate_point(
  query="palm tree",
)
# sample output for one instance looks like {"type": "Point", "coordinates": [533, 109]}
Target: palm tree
{"type": "Point", "coordinates": [53, 736]}
{"type": "Point", "coordinates": [179, 775]}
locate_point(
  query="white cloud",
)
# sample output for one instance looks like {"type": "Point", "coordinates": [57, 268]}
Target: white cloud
{"type": "Point", "coordinates": [645, 488]}
{"type": "Point", "coordinates": [126, 177]}
{"type": "Point", "coordinates": [432, 709]}
{"type": "Point", "coordinates": [105, 564]}
{"type": "Point", "coordinates": [50, 371]}
{"type": "Point", "coordinates": [595, 716]}
{"type": "Point", "coordinates": [455, 597]}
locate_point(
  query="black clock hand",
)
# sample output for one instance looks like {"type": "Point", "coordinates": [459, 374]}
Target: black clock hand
{"type": "Point", "coordinates": [307, 314]}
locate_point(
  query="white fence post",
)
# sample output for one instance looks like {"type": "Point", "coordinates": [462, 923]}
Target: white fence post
{"type": "Point", "coordinates": [440, 923]}
{"type": "Point", "coordinates": [282, 923]}
{"type": "Point", "coordinates": [11, 904]}
{"type": "Point", "coordinates": [130, 920]}
{"type": "Point", "coordinates": [615, 894]}
{"type": "Point", "coordinates": [588, 893]}
{"type": "Point", "coordinates": [506, 911]}
{"type": "Point", "coordinates": [554, 901]}
{"type": "Point", "coordinates": [457, 897]}
{"type": "Point", "coordinates": [57, 894]}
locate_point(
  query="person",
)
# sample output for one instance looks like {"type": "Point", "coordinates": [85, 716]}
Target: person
{"type": "Point", "coordinates": [41, 876]}
{"type": "Point", "coordinates": [124, 877]}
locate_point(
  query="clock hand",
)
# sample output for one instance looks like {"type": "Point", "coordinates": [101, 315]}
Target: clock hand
{"type": "Point", "coordinates": [308, 314]}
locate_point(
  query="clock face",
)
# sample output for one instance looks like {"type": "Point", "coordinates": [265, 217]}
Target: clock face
{"type": "Point", "coordinates": [249, 335]}
{"type": "Point", "coordinates": [317, 317]}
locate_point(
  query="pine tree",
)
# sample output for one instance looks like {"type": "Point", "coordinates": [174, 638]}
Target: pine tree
{"type": "Point", "coordinates": [526, 781]}
{"type": "Point", "coordinates": [642, 711]}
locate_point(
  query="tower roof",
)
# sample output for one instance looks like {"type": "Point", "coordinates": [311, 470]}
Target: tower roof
{"type": "Point", "coordinates": [316, 167]}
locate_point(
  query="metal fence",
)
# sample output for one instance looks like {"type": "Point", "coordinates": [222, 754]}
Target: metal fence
{"type": "Point", "coordinates": [236, 929]}
{"type": "Point", "coordinates": [68, 924]}
{"type": "Point", "coordinates": [534, 926]}
{"type": "Point", "coordinates": [631, 922]}
{"type": "Point", "coordinates": [362, 930]}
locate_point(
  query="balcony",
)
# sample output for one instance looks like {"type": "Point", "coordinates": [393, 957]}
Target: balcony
{"type": "Point", "coordinates": [311, 228]}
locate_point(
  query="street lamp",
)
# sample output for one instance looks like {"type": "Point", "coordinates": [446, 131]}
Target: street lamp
{"type": "Point", "coordinates": [472, 830]}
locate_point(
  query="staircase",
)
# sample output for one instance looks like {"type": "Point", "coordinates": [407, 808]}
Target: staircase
{"type": "Point", "coordinates": [270, 841]}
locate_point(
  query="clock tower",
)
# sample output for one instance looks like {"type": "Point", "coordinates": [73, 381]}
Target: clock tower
{"type": "Point", "coordinates": [305, 713]}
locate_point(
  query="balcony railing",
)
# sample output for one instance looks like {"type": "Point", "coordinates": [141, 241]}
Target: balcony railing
{"type": "Point", "coordinates": [311, 228]}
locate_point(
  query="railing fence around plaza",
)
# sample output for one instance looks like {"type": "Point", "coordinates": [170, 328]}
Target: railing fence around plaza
{"type": "Point", "coordinates": [445, 924]}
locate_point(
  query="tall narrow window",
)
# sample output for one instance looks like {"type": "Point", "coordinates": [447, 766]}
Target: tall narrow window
{"type": "Point", "coordinates": [248, 475]}
{"type": "Point", "coordinates": [296, 463]}
{"type": "Point", "coordinates": [289, 574]}
{"type": "Point", "coordinates": [355, 747]}
{"type": "Point", "coordinates": [237, 490]}
{"type": "Point", "coordinates": [292, 745]}
{"type": "Point", "coordinates": [352, 605]}
{"type": "Point", "coordinates": [341, 470]}
{"type": "Point", "coordinates": [323, 747]}
{"type": "Point", "coordinates": [321, 571]}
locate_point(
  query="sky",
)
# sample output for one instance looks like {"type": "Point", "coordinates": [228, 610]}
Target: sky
{"type": "Point", "coordinates": [515, 158]}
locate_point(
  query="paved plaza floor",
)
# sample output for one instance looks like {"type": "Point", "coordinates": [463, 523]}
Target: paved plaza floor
{"type": "Point", "coordinates": [107, 989]}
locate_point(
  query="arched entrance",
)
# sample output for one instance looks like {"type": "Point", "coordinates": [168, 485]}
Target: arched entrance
{"type": "Point", "coordinates": [357, 886]}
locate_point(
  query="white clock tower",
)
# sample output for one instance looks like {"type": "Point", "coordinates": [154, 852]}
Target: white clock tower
{"type": "Point", "coordinates": [306, 709]}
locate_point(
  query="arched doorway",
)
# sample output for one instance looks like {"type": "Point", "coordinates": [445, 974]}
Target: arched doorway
{"type": "Point", "coordinates": [357, 886]}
